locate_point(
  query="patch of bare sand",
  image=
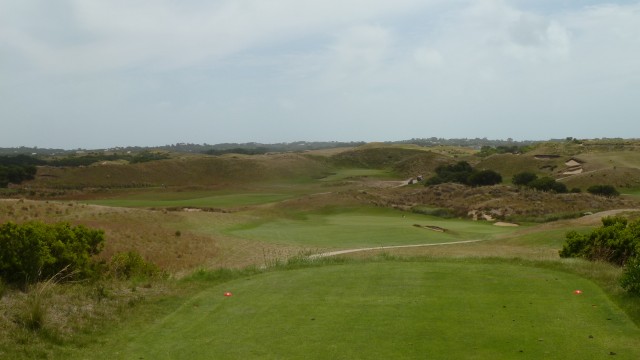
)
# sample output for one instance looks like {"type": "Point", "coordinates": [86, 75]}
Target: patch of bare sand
{"type": "Point", "coordinates": [502, 223]}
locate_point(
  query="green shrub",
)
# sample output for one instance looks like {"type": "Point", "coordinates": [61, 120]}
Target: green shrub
{"type": "Point", "coordinates": [130, 264]}
{"type": "Point", "coordinates": [548, 184]}
{"type": "Point", "coordinates": [484, 178]}
{"type": "Point", "coordinates": [3, 288]}
{"type": "Point", "coordinates": [35, 250]}
{"type": "Point", "coordinates": [603, 190]}
{"type": "Point", "coordinates": [630, 280]}
{"type": "Point", "coordinates": [616, 242]}
{"type": "Point", "coordinates": [523, 178]}
{"type": "Point", "coordinates": [463, 173]}
{"type": "Point", "coordinates": [456, 173]}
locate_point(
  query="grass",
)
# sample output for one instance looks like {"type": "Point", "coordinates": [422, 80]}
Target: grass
{"type": "Point", "coordinates": [363, 228]}
{"type": "Point", "coordinates": [630, 192]}
{"type": "Point", "coordinates": [433, 309]}
{"type": "Point", "coordinates": [458, 302]}
{"type": "Point", "coordinates": [219, 201]}
{"type": "Point", "coordinates": [348, 173]}
{"type": "Point", "coordinates": [266, 193]}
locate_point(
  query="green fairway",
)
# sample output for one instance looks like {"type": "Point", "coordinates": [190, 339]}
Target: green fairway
{"type": "Point", "coordinates": [186, 200]}
{"type": "Point", "coordinates": [342, 174]}
{"type": "Point", "coordinates": [630, 192]}
{"type": "Point", "coordinates": [388, 310]}
{"type": "Point", "coordinates": [363, 228]}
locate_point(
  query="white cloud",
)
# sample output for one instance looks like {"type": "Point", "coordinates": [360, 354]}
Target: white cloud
{"type": "Point", "coordinates": [170, 34]}
{"type": "Point", "coordinates": [360, 51]}
{"type": "Point", "coordinates": [238, 68]}
{"type": "Point", "coordinates": [427, 57]}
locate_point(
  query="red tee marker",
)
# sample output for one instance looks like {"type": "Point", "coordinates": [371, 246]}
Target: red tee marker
{"type": "Point", "coordinates": [578, 292]}
{"type": "Point", "coordinates": [228, 294]}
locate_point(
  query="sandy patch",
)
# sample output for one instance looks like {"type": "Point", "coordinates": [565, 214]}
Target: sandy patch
{"type": "Point", "coordinates": [502, 223]}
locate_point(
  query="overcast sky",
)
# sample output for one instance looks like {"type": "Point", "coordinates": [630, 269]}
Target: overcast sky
{"type": "Point", "coordinates": [105, 73]}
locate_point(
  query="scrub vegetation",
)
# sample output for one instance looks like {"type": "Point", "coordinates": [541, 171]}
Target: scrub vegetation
{"type": "Point", "coordinates": [193, 255]}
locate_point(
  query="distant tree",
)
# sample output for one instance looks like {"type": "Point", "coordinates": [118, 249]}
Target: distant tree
{"type": "Point", "coordinates": [456, 173]}
{"type": "Point", "coordinates": [484, 178]}
{"type": "Point", "coordinates": [548, 184]}
{"type": "Point", "coordinates": [463, 173]}
{"type": "Point", "coordinates": [16, 174]}
{"type": "Point", "coordinates": [603, 190]}
{"type": "Point", "coordinates": [523, 178]}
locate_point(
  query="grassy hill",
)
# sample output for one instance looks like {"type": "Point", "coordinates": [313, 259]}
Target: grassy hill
{"type": "Point", "coordinates": [208, 171]}
{"type": "Point", "coordinates": [510, 164]}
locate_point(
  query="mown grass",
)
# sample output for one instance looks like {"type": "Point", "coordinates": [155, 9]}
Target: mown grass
{"type": "Point", "coordinates": [389, 309]}
{"type": "Point", "coordinates": [363, 227]}
{"type": "Point", "coordinates": [217, 201]}
{"type": "Point", "coordinates": [348, 173]}
{"type": "Point", "coordinates": [630, 192]}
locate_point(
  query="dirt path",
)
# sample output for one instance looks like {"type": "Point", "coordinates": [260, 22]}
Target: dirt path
{"type": "Point", "coordinates": [348, 251]}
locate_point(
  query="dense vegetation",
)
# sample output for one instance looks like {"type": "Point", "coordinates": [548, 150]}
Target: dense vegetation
{"type": "Point", "coordinates": [603, 190]}
{"type": "Point", "coordinates": [34, 251]}
{"type": "Point", "coordinates": [544, 183]}
{"type": "Point", "coordinates": [463, 173]}
{"type": "Point", "coordinates": [617, 241]}
{"type": "Point", "coordinates": [16, 169]}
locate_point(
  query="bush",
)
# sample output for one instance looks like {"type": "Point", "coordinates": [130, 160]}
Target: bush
{"type": "Point", "coordinates": [630, 280]}
{"type": "Point", "coordinates": [523, 178]}
{"type": "Point", "coordinates": [463, 173]}
{"type": "Point", "coordinates": [456, 173]}
{"type": "Point", "coordinates": [548, 184]}
{"type": "Point", "coordinates": [603, 190]}
{"type": "Point", "coordinates": [130, 264]}
{"type": "Point", "coordinates": [36, 250]}
{"type": "Point", "coordinates": [616, 242]}
{"type": "Point", "coordinates": [484, 178]}
{"type": "Point", "coordinates": [16, 174]}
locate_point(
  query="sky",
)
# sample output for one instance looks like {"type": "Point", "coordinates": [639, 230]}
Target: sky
{"type": "Point", "coordinates": [105, 73]}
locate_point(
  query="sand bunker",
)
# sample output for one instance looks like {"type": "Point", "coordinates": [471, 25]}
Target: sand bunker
{"type": "Point", "coordinates": [501, 223]}
{"type": "Point", "coordinates": [431, 227]}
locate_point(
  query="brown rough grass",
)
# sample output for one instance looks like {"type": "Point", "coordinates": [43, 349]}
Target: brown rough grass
{"type": "Point", "coordinates": [153, 234]}
{"type": "Point", "coordinates": [500, 201]}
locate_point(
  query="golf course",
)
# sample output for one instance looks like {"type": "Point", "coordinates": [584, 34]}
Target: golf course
{"type": "Point", "coordinates": [345, 255]}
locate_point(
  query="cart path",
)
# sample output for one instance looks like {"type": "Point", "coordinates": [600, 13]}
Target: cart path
{"type": "Point", "coordinates": [348, 251]}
